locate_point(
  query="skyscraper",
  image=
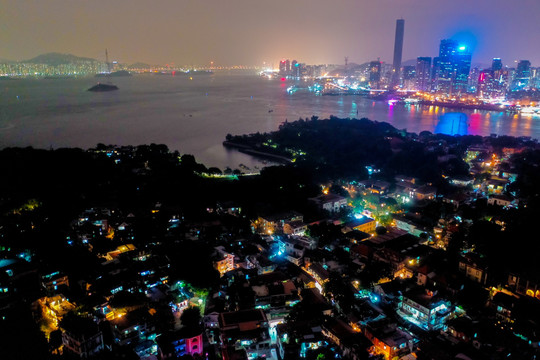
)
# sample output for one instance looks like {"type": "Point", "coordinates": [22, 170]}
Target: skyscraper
{"type": "Point", "coordinates": [423, 73]}
{"type": "Point", "coordinates": [522, 75]}
{"type": "Point", "coordinates": [375, 74]}
{"type": "Point", "coordinates": [398, 51]}
{"type": "Point", "coordinates": [409, 77]}
{"type": "Point", "coordinates": [462, 68]}
{"type": "Point", "coordinates": [496, 64]}
{"type": "Point", "coordinates": [452, 67]}
{"type": "Point", "coordinates": [282, 67]}
{"type": "Point", "coordinates": [523, 70]}
{"type": "Point", "coordinates": [448, 48]}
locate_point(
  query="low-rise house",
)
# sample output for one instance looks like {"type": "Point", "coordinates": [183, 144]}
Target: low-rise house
{"type": "Point", "coordinates": [248, 330]}
{"type": "Point", "coordinates": [131, 327]}
{"type": "Point", "coordinates": [186, 341]}
{"type": "Point", "coordinates": [425, 192]}
{"type": "Point", "coordinates": [456, 199]}
{"type": "Point", "coordinates": [405, 250]}
{"type": "Point", "coordinates": [319, 273]}
{"type": "Point", "coordinates": [364, 224]}
{"type": "Point", "coordinates": [474, 267]}
{"type": "Point", "coordinates": [409, 225]}
{"type": "Point", "coordinates": [297, 227]}
{"type": "Point", "coordinates": [375, 186]}
{"type": "Point", "coordinates": [462, 181]}
{"type": "Point", "coordinates": [388, 339]}
{"type": "Point", "coordinates": [293, 249]}
{"type": "Point", "coordinates": [274, 223]}
{"type": "Point", "coordinates": [276, 299]}
{"type": "Point", "coordinates": [525, 284]}
{"type": "Point", "coordinates": [425, 309]}
{"type": "Point", "coordinates": [52, 281]}
{"type": "Point", "coordinates": [81, 336]}
{"type": "Point", "coordinates": [462, 328]}
{"type": "Point", "coordinates": [504, 306]}
{"type": "Point", "coordinates": [495, 186]}
{"type": "Point", "coordinates": [500, 200]}
{"type": "Point", "coordinates": [223, 261]}
{"type": "Point", "coordinates": [330, 202]}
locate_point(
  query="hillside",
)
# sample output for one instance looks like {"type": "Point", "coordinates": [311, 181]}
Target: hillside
{"type": "Point", "coordinates": [58, 59]}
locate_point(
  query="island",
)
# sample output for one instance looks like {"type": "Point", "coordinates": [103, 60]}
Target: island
{"type": "Point", "coordinates": [370, 242]}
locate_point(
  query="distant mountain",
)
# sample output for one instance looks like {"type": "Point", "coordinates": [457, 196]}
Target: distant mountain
{"type": "Point", "coordinates": [55, 59]}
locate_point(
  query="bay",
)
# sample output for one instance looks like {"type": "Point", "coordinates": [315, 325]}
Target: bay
{"type": "Point", "coordinates": [194, 114]}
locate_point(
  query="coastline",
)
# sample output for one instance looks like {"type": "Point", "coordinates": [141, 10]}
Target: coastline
{"type": "Point", "coordinates": [246, 149]}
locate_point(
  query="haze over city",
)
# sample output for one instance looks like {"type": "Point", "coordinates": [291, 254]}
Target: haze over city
{"type": "Point", "coordinates": [252, 32]}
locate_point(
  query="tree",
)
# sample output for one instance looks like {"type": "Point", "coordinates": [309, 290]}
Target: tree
{"type": "Point", "coordinates": [191, 317]}
{"type": "Point", "coordinates": [381, 230]}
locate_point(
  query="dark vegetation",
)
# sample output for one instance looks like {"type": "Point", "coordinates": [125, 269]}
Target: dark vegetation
{"type": "Point", "coordinates": [42, 191]}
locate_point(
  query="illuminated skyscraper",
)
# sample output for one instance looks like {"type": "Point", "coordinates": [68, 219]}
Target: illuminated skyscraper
{"type": "Point", "coordinates": [398, 51]}
{"type": "Point", "coordinates": [522, 76]}
{"type": "Point", "coordinates": [451, 68]}
{"type": "Point", "coordinates": [448, 48]}
{"type": "Point", "coordinates": [462, 68]}
{"type": "Point", "coordinates": [282, 67]}
{"type": "Point", "coordinates": [423, 73]}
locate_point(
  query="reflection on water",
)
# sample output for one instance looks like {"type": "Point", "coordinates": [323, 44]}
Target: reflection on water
{"type": "Point", "coordinates": [453, 124]}
{"type": "Point", "coordinates": [195, 116]}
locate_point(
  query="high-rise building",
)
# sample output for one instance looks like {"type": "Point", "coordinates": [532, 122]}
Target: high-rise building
{"type": "Point", "coordinates": [423, 73]}
{"type": "Point", "coordinates": [282, 67]}
{"type": "Point", "coordinates": [474, 75]}
{"type": "Point", "coordinates": [409, 77]}
{"type": "Point", "coordinates": [523, 70]}
{"type": "Point", "coordinates": [452, 67]}
{"type": "Point", "coordinates": [496, 64]}
{"type": "Point", "coordinates": [522, 75]}
{"type": "Point", "coordinates": [375, 74]}
{"type": "Point", "coordinates": [448, 48]}
{"type": "Point", "coordinates": [442, 74]}
{"type": "Point", "coordinates": [485, 83]}
{"type": "Point", "coordinates": [296, 69]}
{"type": "Point", "coordinates": [462, 69]}
{"type": "Point", "coordinates": [398, 51]}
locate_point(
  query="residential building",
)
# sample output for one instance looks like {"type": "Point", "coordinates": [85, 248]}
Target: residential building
{"type": "Point", "coordinates": [425, 309]}
{"type": "Point", "coordinates": [186, 341]}
{"type": "Point", "coordinates": [247, 330]}
{"type": "Point", "coordinates": [388, 339]}
{"type": "Point", "coordinates": [81, 336]}
{"type": "Point", "coordinates": [423, 73]}
{"type": "Point", "coordinates": [330, 202]}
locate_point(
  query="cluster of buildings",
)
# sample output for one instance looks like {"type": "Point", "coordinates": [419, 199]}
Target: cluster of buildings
{"type": "Point", "coordinates": [450, 73]}
{"type": "Point", "coordinates": [448, 77]}
{"type": "Point", "coordinates": [23, 69]}
{"type": "Point", "coordinates": [291, 289]}
{"type": "Point", "coordinates": [296, 70]}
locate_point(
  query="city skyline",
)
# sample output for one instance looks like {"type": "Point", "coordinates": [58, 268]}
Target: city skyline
{"type": "Point", "coordinates": [241, 32]}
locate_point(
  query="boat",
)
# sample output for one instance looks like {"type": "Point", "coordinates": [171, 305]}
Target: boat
{"type": "Point", "coordinates": [99, 87]}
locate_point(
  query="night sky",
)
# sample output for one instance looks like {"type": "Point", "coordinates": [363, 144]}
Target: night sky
{"type": "Point", "coordinates": [251, 32]}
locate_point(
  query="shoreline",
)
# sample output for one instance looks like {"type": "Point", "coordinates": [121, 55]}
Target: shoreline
{"type": "Point", "coordinates": [246, 149]}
